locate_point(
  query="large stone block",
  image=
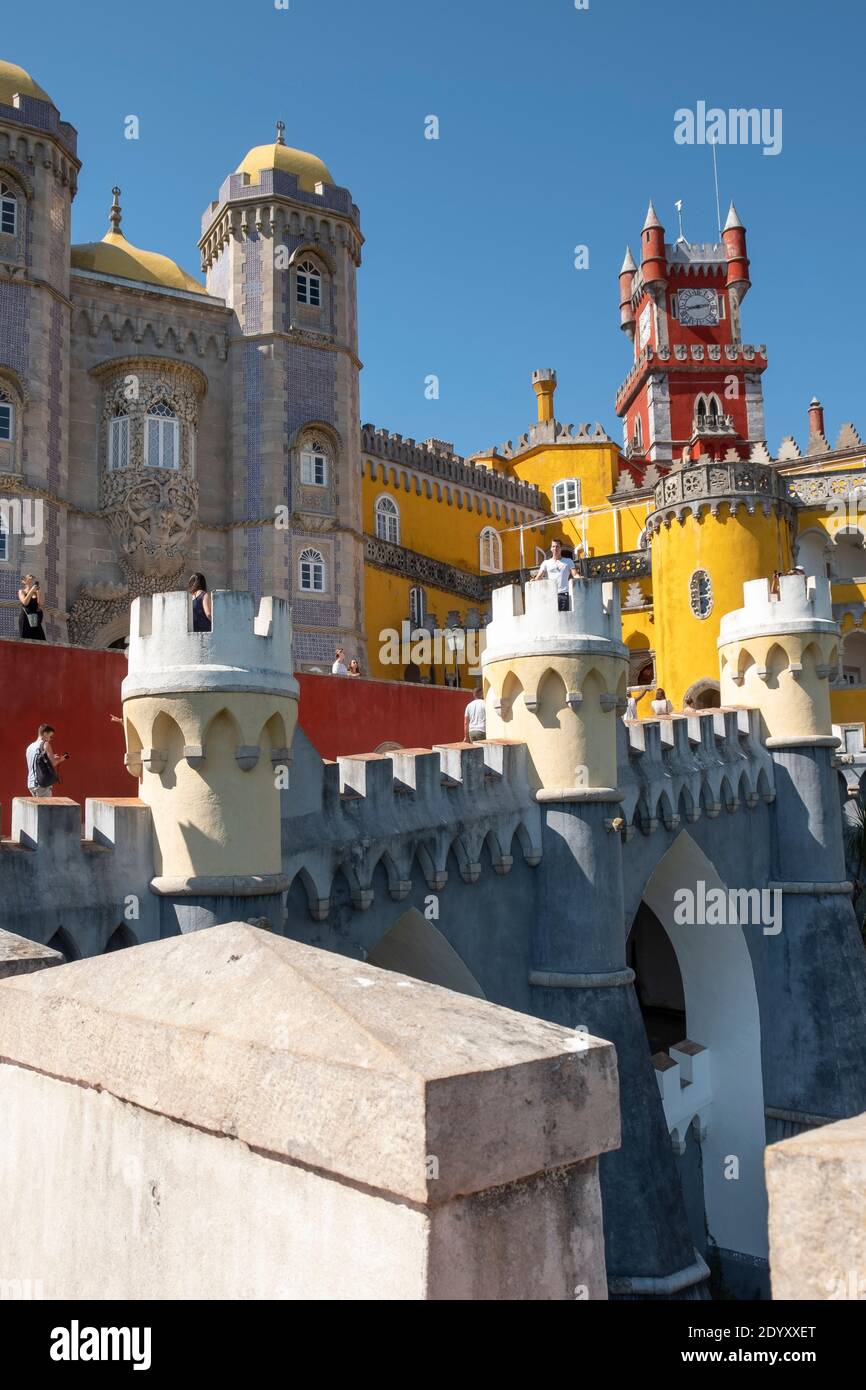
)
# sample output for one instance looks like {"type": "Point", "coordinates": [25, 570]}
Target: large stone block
{"type": "Point", "coordinates": [21, 957]}
{"type": "Point", "coordinates": [271, 1120]}
{"type": "Point", "coordinates": [816, 1184]}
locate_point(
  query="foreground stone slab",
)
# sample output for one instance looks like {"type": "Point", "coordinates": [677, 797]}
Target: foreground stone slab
{"type": "Point", "coordinates": [18, 956]}
{"type": "Point", "coordinates": [817, 1189]}
{"type": "Point", "coordinates": [232, 1114]}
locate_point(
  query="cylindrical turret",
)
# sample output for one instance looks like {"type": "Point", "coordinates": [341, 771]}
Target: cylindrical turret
{"type": "Point", "coordinates": [715, 525]}
{"type": "Point", "coordinates": [209, 720]}
{"type": "Point", "coordinates": [777, 653]}
{"type": "Point", "coordinates": [544, 386]}
{"type": "Point", "coordinates": [653, 262]}
{"type": "Point", "coordinates": [734, 237]}
{"type": "Point", "coordinates": [554, 679]}
{"type": "Point", "coordinates": [626, 279]}
{"type": "Point", "coordinates": [816, 419]}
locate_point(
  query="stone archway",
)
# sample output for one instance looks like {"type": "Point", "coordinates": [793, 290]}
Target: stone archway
{"type": "Point", "coordinates": [722, 1014]}
{"type": "Point", "coordinates": [704, 694]}
{"type": "Point", "coordinates": [415, 947]}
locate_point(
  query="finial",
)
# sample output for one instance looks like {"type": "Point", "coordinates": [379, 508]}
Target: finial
{"type": "Point", "coordinates": [281, 125]}
{"type": "Point", "coordinates": [115, 214]}
{"type": "Point", "coordinates": [679, 207]}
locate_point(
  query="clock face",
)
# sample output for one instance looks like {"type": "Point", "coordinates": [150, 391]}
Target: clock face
{"type": "Point", "coordinates": [698, 307]}
{"type": "Point", "coordinates": [645, 324]}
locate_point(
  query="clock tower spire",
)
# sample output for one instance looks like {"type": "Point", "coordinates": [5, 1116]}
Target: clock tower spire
{"type": "Point", "coordinates": [695, 388]}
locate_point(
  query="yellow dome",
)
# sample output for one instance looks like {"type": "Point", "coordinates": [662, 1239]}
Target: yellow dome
{"type": "Point", "coordinates": [114, 255]}
{"type": "Point", "coordinates": [308, 167]}
{"type": "Point", "coordinates": [14, 80]}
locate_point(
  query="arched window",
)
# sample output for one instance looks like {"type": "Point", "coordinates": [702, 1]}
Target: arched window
{"type": "Point", "coordinates": [700, 411]}
{"type": "Point", "coordinates": [314, 464]}
{"type": "Point", "coordinates": [540, 555]}
{"type": "Point", "coordinates": [490, 551]}
{"type": "Point", "coordinates": [387, 519]}
{"type": "Point", "coordinates": [701, 594]}
{"type": "Point", "coordinates": [566, 495]}
{"type": "Point", "coordinates": [7, 417]}
{"type": "Point", "coordinates": [714, 410]}
{"type": "Point", "coordinates": [311, 572]}
{"type": "Point", "coordinates": [118, 442]}
{"type": "Point", "coordinates": [8, 210]}
{"type": "Point", "coordinates": [638, 432]}
{"type": "Point", "coordinates": [161, 439]}
{"type": "Point", "coordinates": [417, 606]}
{"type": "Point", "coordinates": [309, 284]}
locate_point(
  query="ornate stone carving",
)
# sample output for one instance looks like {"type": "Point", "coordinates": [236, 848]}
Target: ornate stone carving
{"type": "Point", "coordinates": [151, 514]}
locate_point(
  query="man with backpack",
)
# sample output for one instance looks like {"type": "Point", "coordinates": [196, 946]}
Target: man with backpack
{"type": "Point", "coordinates": [42, 761]}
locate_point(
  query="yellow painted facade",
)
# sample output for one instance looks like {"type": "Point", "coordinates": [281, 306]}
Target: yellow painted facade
{"type": "Point", "coordinates": [671, 645]}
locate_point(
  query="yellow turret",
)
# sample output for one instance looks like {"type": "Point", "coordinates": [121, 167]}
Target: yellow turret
{"type": "Point", "coordinates": [554, 681]}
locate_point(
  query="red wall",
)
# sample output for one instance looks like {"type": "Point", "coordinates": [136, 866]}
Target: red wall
{"type": "Point", "coordinates": [348, 714]}
{"type": "Point", "coordinates": [77, 689]}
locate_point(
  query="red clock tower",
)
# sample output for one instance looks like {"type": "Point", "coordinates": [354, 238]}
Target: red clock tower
{"type": "Point", "coordinates": [695, 387]}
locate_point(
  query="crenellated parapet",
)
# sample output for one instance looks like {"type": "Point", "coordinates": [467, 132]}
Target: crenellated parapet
{"type": "Point", "coordinates": [554, 679]}
{"type": "Point", "coordinates": [210, 718]}
{"type": "Point", "coordinates": [410, 811]}
{"type": "Point", "coordinates": [82, 893]}
{"type": "Point", "coordinates": [778, 653]}
{"type": "Point", "coordinates": [676, 769]}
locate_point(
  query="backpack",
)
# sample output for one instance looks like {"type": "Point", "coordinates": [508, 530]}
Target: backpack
{"type": "Point", "coordinates": [44, 772]}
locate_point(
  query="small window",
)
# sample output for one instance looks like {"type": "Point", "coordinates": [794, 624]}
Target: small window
{"type": "Point", "coordinates": [118, 442]}
{"type": "Point", "coordinates": [674, 311]}
{"type": "Point", "coordinates": [566, 495]}
{"type": "Point", "coordinates": [387, 520]}
{"type": "Point", "coordinates": [540, 556]}
{"type": "Point", "coordinates": [701, 594]}
{"type": "Point", "coordinates": [309, 284]}
{"type": "Point", "coordinates": [314, 464]}
{"type": "Point", "coordinates": [638, 432]}
{"type": "Point", "coordinates": [192, 433]}
{"type": "Point", "coordinates": [417, 607]}
{"type": "Point", "coordinates": [162, 437]}
{"type": "Point", "coordinates": [721, 306]}
{"type": "Point", "coordinates": [8, 210]}
{"type": "Point", "coordinates": [7, 418]}
{"type": "Point", "coordinates": [311, 572]}
{"type": "Point", "coordinates": [4, 542]}
{"type": "Point", "coordinates": [490, 551]}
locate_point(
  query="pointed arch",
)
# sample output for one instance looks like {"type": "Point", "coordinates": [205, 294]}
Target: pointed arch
{"type": "Point", "coordinates": [62, 941]}
{"type": "Point", "coordinates": [417, 948]}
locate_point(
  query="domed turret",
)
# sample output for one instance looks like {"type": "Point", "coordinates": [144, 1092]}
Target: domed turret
{"type": "Point", "coordinates": [15, 81]}
{"type": "Point", "coordinates": [114, 255]}
{"type": "Point", "coordinates": [307, 168]}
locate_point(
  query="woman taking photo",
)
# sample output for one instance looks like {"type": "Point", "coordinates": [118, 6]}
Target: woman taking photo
{"type": "Point", "coordinates": [30, 626]}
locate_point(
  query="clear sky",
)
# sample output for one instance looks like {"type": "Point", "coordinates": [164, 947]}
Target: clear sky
{"type": "Point", "coordinates": [556, 127]}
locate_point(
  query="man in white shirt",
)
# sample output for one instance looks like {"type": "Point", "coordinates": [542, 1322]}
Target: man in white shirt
{"type": "Point", "coordinates": [43, 740]}
{"type": "Point", "coordinates": [561, 571]}
{"type": "Point", "coordinates": [339, 667]}
{"type": "Point", "coordinates": [475, 719]}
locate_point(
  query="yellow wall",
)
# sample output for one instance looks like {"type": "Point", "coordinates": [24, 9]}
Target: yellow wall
{"type": "Point", "coordinates": [731, 550]}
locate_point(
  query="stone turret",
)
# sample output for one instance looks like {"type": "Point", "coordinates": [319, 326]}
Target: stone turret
{"type": "Point", "coordinates": [777, 653]}
{"type": "Point", "coordinates": [209, 720]}
{"type": "Point", "coordinates": [554, 680]}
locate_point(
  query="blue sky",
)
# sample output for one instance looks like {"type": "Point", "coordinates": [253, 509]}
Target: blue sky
{"type": "Point", "coordinates": [556, 127]}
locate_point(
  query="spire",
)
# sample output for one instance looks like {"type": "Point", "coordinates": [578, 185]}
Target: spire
{"type": "Point", "coordinates": [733, 219]}
{"type": "Point", "coordinates": [115, 214]}
{"type": "Point", "coordinates": [281, 126]}
{"type": "Point", "coordinates": [651, 219]}
{"type": "Point", "coordinates": [628, 263]}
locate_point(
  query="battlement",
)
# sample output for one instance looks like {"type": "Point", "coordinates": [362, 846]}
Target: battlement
{"type": "Point", "coordinates": [246, 651]}
{"type": "Point", "coordinates": [410, 811]}
{"type": "Point", "coordinates": [803, 604]}
{"type": "Point", "coordinates": [682, 767]}
{"type": "Point", "coordinates": [527, 621]}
